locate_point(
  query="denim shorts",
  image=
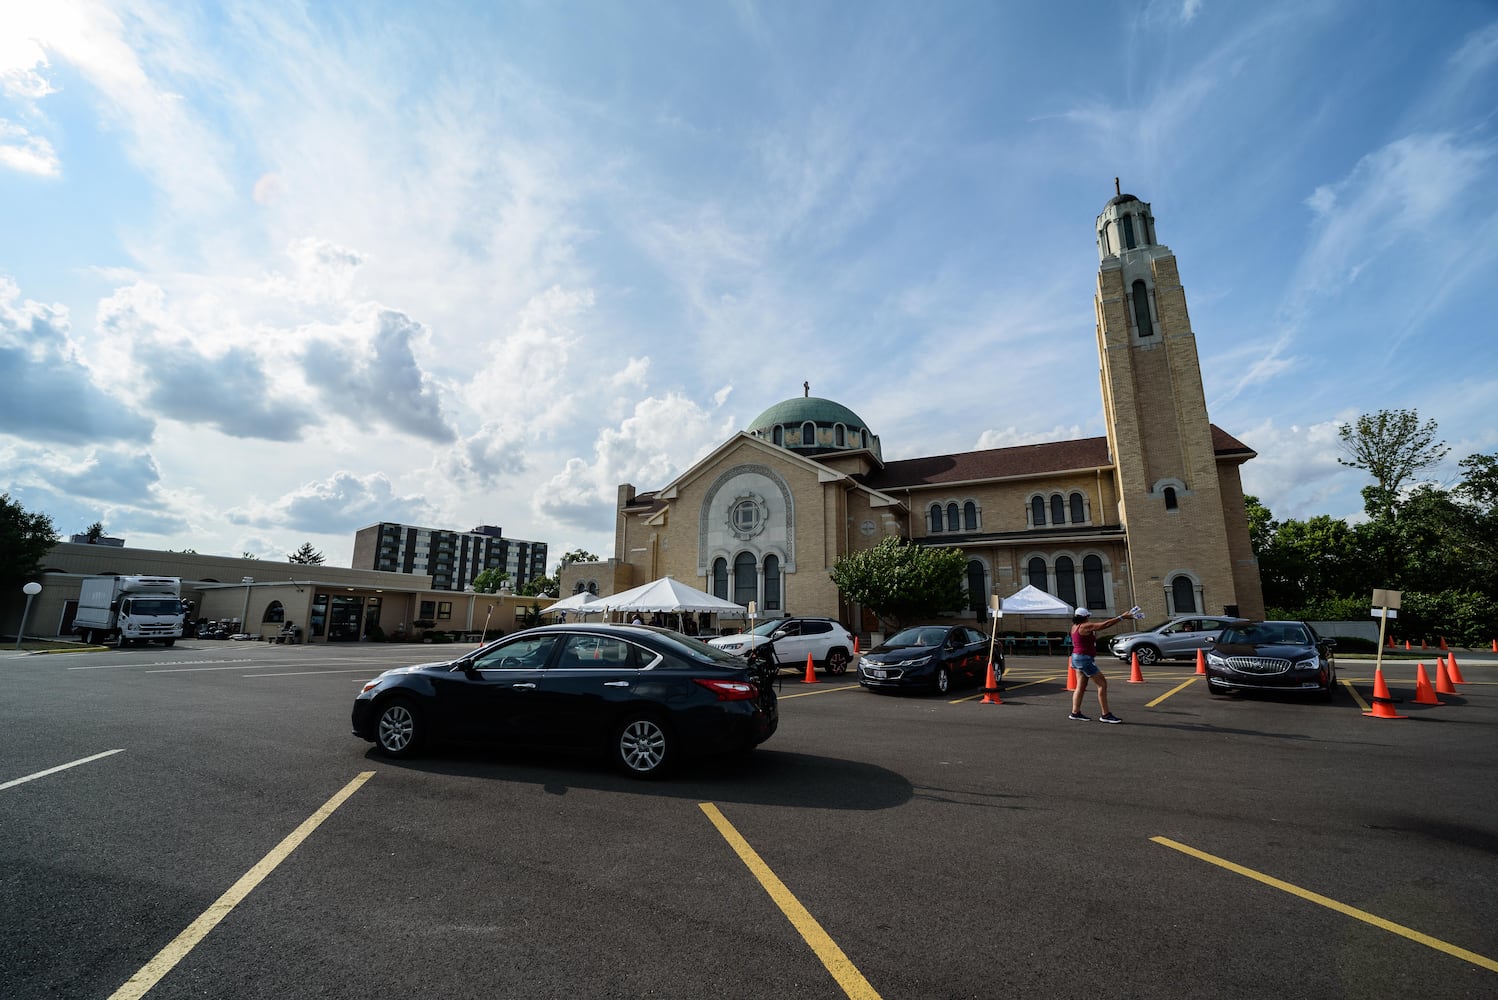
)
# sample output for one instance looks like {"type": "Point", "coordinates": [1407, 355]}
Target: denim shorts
{"type": "Point", "coordinates": [1085, 665]}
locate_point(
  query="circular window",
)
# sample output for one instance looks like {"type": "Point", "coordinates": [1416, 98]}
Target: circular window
{"type": "Point", "coordinates": [746, 518]}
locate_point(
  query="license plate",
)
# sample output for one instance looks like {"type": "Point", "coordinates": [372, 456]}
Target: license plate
{"type": "Point", "coordinates": [875, 673]}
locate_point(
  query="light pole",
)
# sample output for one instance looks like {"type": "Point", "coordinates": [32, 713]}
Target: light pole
{"type": "Point", "coordinates": [244, 620]}
{"type": "Point", "coordinates": [30, 590]}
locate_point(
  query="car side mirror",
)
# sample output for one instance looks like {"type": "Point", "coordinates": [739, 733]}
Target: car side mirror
{"type": "Point", "coordinates": [1209, 641]}
{"type": "Point", "coordinates": [1330, 643]}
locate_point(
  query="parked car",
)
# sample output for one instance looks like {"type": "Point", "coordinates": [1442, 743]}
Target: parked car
{"type": "Point", "coordinates": [1271, 656]}
{"type": "Point", "coordinates": [929, 657]}
{"type": "Point", "coordinates": [647, 696]}
{"type": "Point", "coordinates": [1176, 639]}
{"type": "Point", "coordinates": [785, 642]}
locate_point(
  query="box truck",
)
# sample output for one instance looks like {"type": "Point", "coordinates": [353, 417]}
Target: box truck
{"type": "Point", "coordinates": [129, 609]}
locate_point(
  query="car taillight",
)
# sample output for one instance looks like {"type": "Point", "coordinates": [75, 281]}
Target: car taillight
{"type": "Point", "coordinates": [729, 690]}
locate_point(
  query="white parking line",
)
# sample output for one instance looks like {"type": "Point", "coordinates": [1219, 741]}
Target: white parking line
{"type": "Point", "coordinates": [60, 767]}
{"type": "Point", "coordinates": [312, 673]}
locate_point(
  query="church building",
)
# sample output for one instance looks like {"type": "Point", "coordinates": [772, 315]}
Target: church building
{"type": "Point", "coordinates": [1150, 514]}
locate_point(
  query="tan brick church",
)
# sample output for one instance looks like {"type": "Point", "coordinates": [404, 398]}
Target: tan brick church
{"type": "Point", "coordinates": [1151, 514]}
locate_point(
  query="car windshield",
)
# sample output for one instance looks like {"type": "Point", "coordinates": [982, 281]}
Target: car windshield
{"type": "Point", "coordinates": [767, 627]}
{"type": "Point", "coordinates": [917, 637]}
{"type": "Point", "coordinates": [1265, 634]}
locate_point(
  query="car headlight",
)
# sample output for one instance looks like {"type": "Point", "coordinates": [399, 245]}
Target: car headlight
{"type": "Point", "coordinates": [1310, 664]}
{"type": "Point", "coordinates": [919, 661]}
{"type": "Point", "coordinates": [1217, 659]}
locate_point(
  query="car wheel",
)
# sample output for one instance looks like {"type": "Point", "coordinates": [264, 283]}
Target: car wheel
{"type": "Point", "coordinates": [837, 662]}
{"type": "Point", "coordinates": [943, 681]}
{"type": "Point", "coordinates": [1217, 691]}
{"type": "Point", "coordinates": [1328, 692]}
{"type": "Point", "coordinates": [644, 747]}
{"type": "Point", "coordinates": [1148, 655]}
{"type": "Point", "coordinates": [399, 729]}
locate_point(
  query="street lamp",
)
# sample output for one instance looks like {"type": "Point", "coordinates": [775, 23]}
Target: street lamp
{"type": "Point", "coordinates": [243, 621]}
{"type": "Point", "coordinates": [30, 590]}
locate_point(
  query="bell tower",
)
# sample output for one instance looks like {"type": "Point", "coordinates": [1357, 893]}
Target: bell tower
{"type": "Point", "coordinates": [1186, 526]}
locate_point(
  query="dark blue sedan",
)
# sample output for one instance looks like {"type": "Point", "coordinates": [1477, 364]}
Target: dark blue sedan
{"type": "Point", "coordinates": [647, 696]}
{"type": "Point", "coordinates": [1271, 656]}
{"type": "Point", "coordinates": [929, 658]}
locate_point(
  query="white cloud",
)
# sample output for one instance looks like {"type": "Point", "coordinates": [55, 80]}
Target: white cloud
{"type": "Point", "coordinates": [26, 153]}
{"type": "Point", "coordinates": [340, 504]}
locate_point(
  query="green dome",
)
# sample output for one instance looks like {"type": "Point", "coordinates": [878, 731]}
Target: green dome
{"type": "Point", "coordinates": [793, 412]}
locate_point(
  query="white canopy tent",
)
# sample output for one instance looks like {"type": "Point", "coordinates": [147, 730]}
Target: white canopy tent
{"type": "Point", "coordinates": [669, 595]}
{"type": "Point", "coordinates": [580, 603]}
{"type": "Point", "coordinates": [1031, 600]}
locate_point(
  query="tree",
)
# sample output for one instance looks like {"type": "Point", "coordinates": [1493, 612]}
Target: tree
{"type": "Point", "coordinates": [25, 539]}
{"type": "Point", "coordinates": [93, 533]}
{"type": "Point", "coordinates": [539, 585]}
{"type": "Point", "coordinates": [306, 556]}
{"type": "Point", "coordinates": [576, 555]}
{"type": "Point", "coordinates": [1392, 446]}
{"type": "Point", "coordinates": [490, 580]}
{"type": "Point", "coordinates": [1261, 525]}
{"type": "Point", "coordinates": [903, 583]}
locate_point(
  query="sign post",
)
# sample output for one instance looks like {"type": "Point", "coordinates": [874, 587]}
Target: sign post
{"type": "Point", "coordinates": [995, 612]}
{"type": "Point", "coordinates": [1385, 606]}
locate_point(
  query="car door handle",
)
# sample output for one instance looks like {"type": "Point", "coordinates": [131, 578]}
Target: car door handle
{"type": "Point", "coordinates": [524, 686]}
{"type": "Point", "coordinates": [616, 684]}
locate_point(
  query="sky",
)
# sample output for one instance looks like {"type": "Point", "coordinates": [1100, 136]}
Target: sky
{"type": "Point", "coordinates": [275, 273]}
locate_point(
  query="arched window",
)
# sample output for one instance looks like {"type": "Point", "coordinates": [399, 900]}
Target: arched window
{"type": "Point", "coordinates": [935, 518]}
{"type": "Point", "coordinates": [1171, 503]}
{"type": "Point", "coordinates": [1142, 310]}
{"type": "Point", "coordinates": [840, 436]}
{"type": "Point", "coordinates": [745, 579]}
{"type": "Point", "coordinates": [1066, 580]}
{"type": "Point", "coordinates": [1058, 509]}
{"type": "Point", "coordinates": [969, 516]}
{"type": "Point", "coordinates": [864, 434]}
{"type": "Point", "coordinates": [720, 576]}
{"type": "Point", "coordinates": [952, 522]}
{"type": "Point", "coordinates": [1092, 581]}
{"type": "Point", "coordinates": [1128, 228]}
{"type": "Point", "coordinates": [1035, 569]}
{"type": "Point", "coordinates": [1037, 511]}
{"type": "Point", "coordinates": [772, 583]}
{"type": "Point", "coordinates": [808, 434]}
{"type": "Point", "coordinates": [1078, 509]}
{"type": "Point", "coordinates": [1183, 595]}
{"type": "Point", "coordinates": [777, 436]}
{"type": "Point", "coordinates": [274, 612]}
{"type": "Point", "coordinates": [977, 586]}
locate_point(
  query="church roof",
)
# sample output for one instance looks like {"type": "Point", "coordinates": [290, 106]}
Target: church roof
{"type": "Point", "coordinates": [800, 409]}
{"type": "Point", "coordinates": [1018, 462]}
{"type": "Point", "coordinates": [1121, 199]}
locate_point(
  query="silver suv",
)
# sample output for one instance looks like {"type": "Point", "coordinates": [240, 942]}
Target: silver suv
{"type": "Point", "coordinates": [787, 641]}
{"type": "Point", "coordinates": [1177, 639]}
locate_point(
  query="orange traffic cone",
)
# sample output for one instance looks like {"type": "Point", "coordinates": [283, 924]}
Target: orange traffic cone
{"type": "Point", "coordinates": [1201, 661]}
{"type": "Point", "coordinates": [1443, 642]}
{"type": "Point", "coordinates": [1443, 679]}
{"type": "Point", "coordinates": [1383, 705]}
{"type": "Point", "coordinates": [855, 645]}
{"type": "Point", "coordinates": [1071, 677]}
{"type": "Point", "coordinates": [811, 671]}
{"type": "Point", "coordinates": [1495, 645]}
{"type": "Point", "coordinates": [991, 688]}
{"type": "Point", "coordinates": [1424, 693]}
{"type": "Point", "coordinates": [1391, 642]}
{"type": "Point", "coordinates": [1135, 677]}
{"type": "Point", "coordinates": [1454, 670]}
{"type": "Point", "coordinates": [1406, 645]}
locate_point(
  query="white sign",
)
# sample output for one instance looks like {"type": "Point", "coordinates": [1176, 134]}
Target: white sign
{"type": "Point", "coordinates": [1384, 613]}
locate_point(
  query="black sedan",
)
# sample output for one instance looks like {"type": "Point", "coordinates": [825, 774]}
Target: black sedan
{"type": "Point", "coordinates": [1271, 656]}
{"type": "Point", "coordinates": [648, 696]}
{"type": "Point", "coordinates": [930, 658]}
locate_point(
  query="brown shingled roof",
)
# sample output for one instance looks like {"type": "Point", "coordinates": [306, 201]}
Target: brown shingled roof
{"type": "Point", "coordinates": [1018, 462]}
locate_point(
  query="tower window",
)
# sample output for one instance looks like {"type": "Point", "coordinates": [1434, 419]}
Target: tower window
{"type": "Point", "coordinates": [840, 436]}
{"type": "Point", "coordinates": [1058, 509]}
{"type": "Point", "coordinates": [1171, 503]}
{"type": "Point", "coordinates": [808, 434]}
{"type": "Point", "coordinates": [1183, 595]}
{"type": "Point", "coordinates": [777, 436]}
{"type": "Point", "coordinates": [1092, 580]}
{"type": "Point", "coordinates": [1128, 228]}
{"type": "Point", "coordinates": [1066, 580]}
{"type": "Point", "coordinates": [1142, 310]}
{"type": "Point", "coordinates": [1035, 570]}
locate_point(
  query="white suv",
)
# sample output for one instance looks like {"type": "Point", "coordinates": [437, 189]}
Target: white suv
{"type": "Point", "coordinates": [787, 641]}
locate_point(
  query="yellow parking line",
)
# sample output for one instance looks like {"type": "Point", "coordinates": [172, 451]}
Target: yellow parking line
{"type": "Point", "coordinates": [1179, 687]}
{"type": "Point", "coordinates": [820, 690]}
{"type": "Point", "coordinates": [176, 950]}
{"type": "Point", "coordinates": [848, 977]}
{"type": "Point", "coordinates": [1011, 687]}
{"type": "Point", "coordinates": [1356, 697]}
{"type": "Point", "coordinates": [1332, 904]}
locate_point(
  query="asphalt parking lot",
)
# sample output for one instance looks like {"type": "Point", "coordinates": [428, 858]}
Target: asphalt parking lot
{"type": "Point", "coordinates": [197, 821]}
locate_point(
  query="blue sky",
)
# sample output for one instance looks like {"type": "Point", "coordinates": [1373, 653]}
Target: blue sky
{"type": "Point", "coordinates": [270, 276]}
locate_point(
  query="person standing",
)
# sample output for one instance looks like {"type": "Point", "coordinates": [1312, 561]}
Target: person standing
{"type": "Point", "coordinates": [1084, 633]}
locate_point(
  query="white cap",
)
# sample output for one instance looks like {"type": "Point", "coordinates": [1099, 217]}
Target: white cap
{"type": "Point", "coordinates": [1083, 613]}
